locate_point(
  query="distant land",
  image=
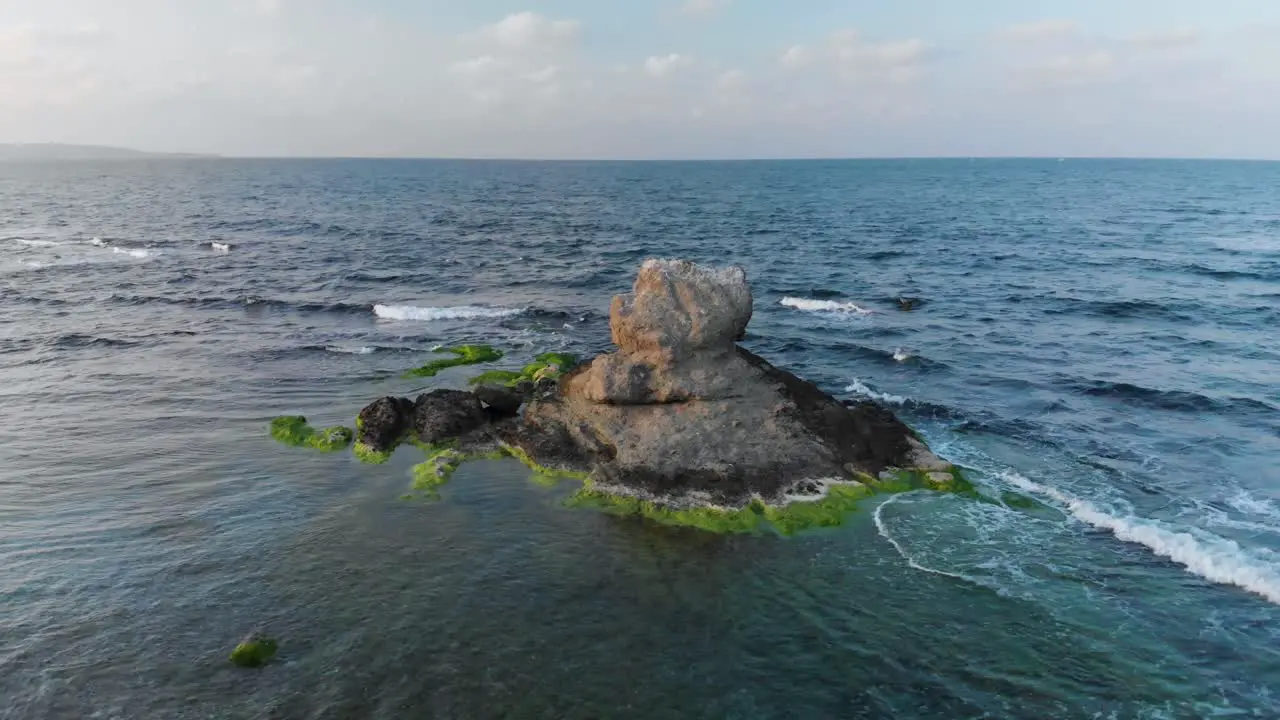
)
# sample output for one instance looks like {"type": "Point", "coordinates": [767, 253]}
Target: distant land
{"type": "Point", "coordinates": [13, 152]}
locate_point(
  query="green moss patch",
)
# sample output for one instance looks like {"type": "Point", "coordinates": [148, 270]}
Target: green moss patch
{"type": "Point", "coordinates": [369, 456]}
{"type": "Point", "coordinates": [506, 378]}
{"type": "Point", "coordinates": [294, 431]}
{"type": "Point", "coordinates": [254, 652]}
{"type": "Point", "coordinates": [462, 355]}
{"type": "Point", "coordinates": [438, 469]}
{"type": "Point", "coordinates": [787, 520]}
{"type": "Point", "coordinates": [545, 366]}
{"type": "Point", "coordinates": [542, 470]}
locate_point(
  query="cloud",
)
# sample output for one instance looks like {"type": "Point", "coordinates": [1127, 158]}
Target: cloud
{"type": "Point", "coordinates": [1166, 39]}
{"type": "Point", "coordinates": [851, 59]}
{"type": "Point", "coordinates": [1053, 29]}
{"type": "Point", "coordinates": [530, 31]}
{"type": "Point", "coordinates": [704, 8]}
{"type": "Point", "coordinates": [796, 56]}
{"type": "Point", "coordinates": [268, 7]}
{"type": "Point", "coordinates": [664, 65]}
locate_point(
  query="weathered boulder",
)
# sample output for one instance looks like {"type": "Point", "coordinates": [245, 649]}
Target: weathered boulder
{"type": "Point", "coordinates": [442, 415]}
{"type": "Point", "coordinates": [677, 308]}
{"type": "Point", "coordinates": [383, 422]}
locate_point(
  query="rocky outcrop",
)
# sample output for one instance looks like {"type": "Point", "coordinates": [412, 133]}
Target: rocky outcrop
{"type": "Point", "coordinates": [679, 415]}
{"type": "Point", "coordinates": [682, 415]}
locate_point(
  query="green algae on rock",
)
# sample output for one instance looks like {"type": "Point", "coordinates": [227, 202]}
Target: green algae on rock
{"type": "Point", "coordinates": [463, 355]}
{"type": "Point", "coordinates": [547, 366]}
{"type": "Point", "coordinates": [293, 430]}
{"type": "Point", "coordinates": [369, 456]}
{"type": "Point", "coordinates": [254, 651]}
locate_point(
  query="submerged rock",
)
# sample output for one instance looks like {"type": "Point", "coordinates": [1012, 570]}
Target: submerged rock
{"type": "Point", "coordinates": [254, 651]}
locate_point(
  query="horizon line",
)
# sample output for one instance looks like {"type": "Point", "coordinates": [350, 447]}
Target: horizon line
{"type": "Point", "coordinates": [163, 155]}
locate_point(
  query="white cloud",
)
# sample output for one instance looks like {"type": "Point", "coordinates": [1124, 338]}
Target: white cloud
{"type": "Point", "coordinates": [704, 8]}
{"type": "Point", "coordinates": [269, 7]}
{"type": "Point", "coordinates": [1052, 29]}
{"type": "Point", "coordinates": [850, 58]}
{"type": "Point", "coordinates": [1167, 39]}
{"type": "Point", "coordinates": [1070, 70]}
{"type": "Point", "coordinates": [797, 56]}
{"type": "Point", "coordinates": [530, 31]}
{"type": "Point", "coordinates": [664, 65]}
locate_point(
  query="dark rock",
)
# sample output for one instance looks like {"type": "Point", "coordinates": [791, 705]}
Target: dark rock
{"type": "Point", "coordinates": [442, 415]}
{"type": "Point", "coordinates": [500, 401]}
{"type": "Point", "coordinates": [382, 423]}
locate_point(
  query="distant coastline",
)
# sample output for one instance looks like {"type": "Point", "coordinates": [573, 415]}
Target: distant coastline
{"type": "Point", "coordinates": [25, 152]}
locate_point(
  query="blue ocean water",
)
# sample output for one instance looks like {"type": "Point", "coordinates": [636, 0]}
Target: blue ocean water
{"type": "Point", "coordinates": [1102, 336]}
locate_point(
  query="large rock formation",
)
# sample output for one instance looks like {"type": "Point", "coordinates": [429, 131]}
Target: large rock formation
{"type": "Point", "coordinates": [679, 415]}
{"type": "Point", "coordinates": [682, 415]}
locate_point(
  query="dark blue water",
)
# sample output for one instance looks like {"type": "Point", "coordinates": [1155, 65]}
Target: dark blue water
{"type": "Point", "coordinates": [1103, 336]}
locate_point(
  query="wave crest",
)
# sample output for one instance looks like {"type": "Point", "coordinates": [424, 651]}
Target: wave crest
{"type": "Point", "coordinates": [428, 314]}
{"type": "Point", "coordinates": [858, 387]}
{"type": "Point", "coordinates": [1220, 560]}
{"type": "Point", "coordinates": [826, 306]}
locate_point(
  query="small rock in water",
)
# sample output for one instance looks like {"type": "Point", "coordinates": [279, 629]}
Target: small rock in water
{"type": "Point", "coordinates": [254, 651]}
{"type": "Point", "coordinates": [907, 304]}
{"type": "Point", "coordinates": [446, 414]}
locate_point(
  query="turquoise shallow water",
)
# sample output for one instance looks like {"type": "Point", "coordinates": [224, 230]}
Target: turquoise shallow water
{"type": "Point", "coordinates": [1097, 335]}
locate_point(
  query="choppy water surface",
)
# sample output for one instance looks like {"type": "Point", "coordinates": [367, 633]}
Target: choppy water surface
{"type": "Point", "coordinates": [1103, 336]}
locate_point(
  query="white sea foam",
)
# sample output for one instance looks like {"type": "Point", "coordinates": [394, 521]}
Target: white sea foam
{"type": "Point", "coordinates": [1216, 559]}
{"type": "Point", "coordinates": [34, 265]}
{"type": "Point", "coordinates": [884, 533]}
{"type": "Point", "coordinates": [462, 312]}
{"type": "Point", "coordinates": [365, 350]}
{"type": "Point", "coordinates": [825, 306]}
{"type": "Point", "coordinates": [35, 243]}
{"type": "Point", "coordinates": [901, 355]}
{"type": "Point", "coordinates": [98, 242]}
{"type": "Point", "coordinates": [860, 388]}
{"type": "Point", "coordinates": [220, 247]}
{"type": "Point", "coordinates": [139, 253]}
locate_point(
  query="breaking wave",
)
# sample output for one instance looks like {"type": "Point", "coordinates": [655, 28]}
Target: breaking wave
{"type": "Point", "coordinates": [825, 306]}
{"type": "Point", "coordinates": [1215, 559]}
{"type": "Point", "coordinates": [140, 253]}
{"type": "Point", "coordinates": [858, 387]}
{"type": "Point", "coordinates": [428, 314]}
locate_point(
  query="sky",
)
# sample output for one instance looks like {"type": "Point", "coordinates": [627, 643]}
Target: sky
{"type": "Point", "coordinates": [646, 80]}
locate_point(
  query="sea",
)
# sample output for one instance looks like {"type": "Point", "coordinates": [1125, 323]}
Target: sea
{"type": "Point", "coordinates": [1096, 341]}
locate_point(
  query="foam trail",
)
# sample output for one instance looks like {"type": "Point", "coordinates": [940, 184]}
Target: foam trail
{"type": "Point", "coordinates": [35, 243]}
{"type": "Point", "coordinates": [136, 252]}
{"type": "Point", "coordinates": [462, 312]}
{"type": "Point", "coordinates": [220, 247]}
{"type": "Point", "coordinates": [884, 533]}
{"type": "Point", "coordinates": [1221, 562]}
{"type": "Point", "coordinates": [827, 306]}
{"type": "Point", "coordinates": [901, 355]}
{"type": "Point", "coordinates": [858, 387]}
{"type": "Point", "coordinates": [366, 350]}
